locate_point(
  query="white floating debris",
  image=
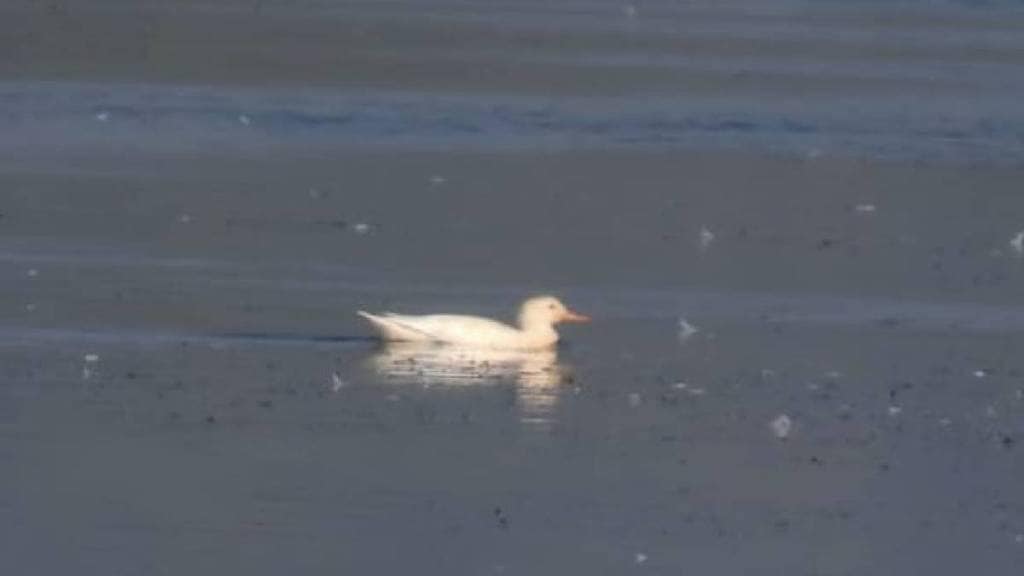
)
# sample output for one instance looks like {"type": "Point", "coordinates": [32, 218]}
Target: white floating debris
{"type": "Point", "coordinates": [895, 411]}
{"type": "Point", "coordinates": [634, 399]}
{"type": "Point", "coordinates": [640, 558]}
{"type": "Point", "coordinates": [706, 238]}
{"type": "Point", "coordinates": [30, 307]}
{"type": "Point", "coordinates": [945, 422]}
{"type": "Point", "coordinates": [980, 373]}
{"type": "Point", "coordinates": [362, 228]}
{"type": "Point", "coordinates": [782, 426]}
{"type": "Point", "coordinates": [833, 374]}
{"type": "Point", "coordinates": [1017, 243]}
{"type": "Point", "coordinates": [32, 273]}
{"type": "Point", "coordinates": [437, 180]}
{"type": "Point", "coordinates": [184, 218]}
{"type": "Point", "coordinates": [88, 368]}
{"type": "Point", "coordinates": [244, 120]}
{"type": "Point", "coordinates": [103, 116]}
{"type": "Point", "coordinates": [680, 385]}
{"type": "Point", "coordinates": [336, 382]}
{"type": "Point", "coordinates": [865, 208]}
{"type": "Point", "coordinates": [393, 397]}
{"type": "Point", "coordinates": [686, 329]}
{"type": "Point", "coordinates": [697, 391]}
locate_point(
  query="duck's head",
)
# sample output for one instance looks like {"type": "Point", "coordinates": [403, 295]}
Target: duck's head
{"type": "Point", "coordinates": [546, 311]}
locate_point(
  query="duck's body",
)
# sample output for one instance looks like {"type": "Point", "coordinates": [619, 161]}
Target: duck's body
{"type": "Point", "coordinates": [456, 329]}
{"type": "Point", "coordinates": [537, 318]}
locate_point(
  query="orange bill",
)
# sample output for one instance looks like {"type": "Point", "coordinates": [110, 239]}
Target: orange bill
{"type": "Point", "coordinates": [571, 316]}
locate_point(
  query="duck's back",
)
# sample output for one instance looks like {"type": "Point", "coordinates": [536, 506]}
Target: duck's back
{"type": "Point", "coordinates": [445, 328]}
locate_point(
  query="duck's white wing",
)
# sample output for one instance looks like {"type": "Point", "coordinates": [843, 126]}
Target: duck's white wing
{"type": "Point", "coordinates": [392, 327]}
{"type": "Point", "coordinates": [441, 328]}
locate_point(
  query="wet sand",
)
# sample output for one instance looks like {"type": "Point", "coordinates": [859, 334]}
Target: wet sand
{"type": "Point", "coordinates": [184, 387]}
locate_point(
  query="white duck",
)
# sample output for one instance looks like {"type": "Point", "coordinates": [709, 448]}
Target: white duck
{"type": "Point", "coordinates": [537, 319]}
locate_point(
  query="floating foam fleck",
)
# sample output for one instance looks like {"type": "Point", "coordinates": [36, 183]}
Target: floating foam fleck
{"type": "Point", "coordinates": [244, 120]}
{"type": "Point", "coordinates": [865, 208]}
{"type": "Point", "coordinates": [782, 426]}
{"type": "Point", "coordinates": [686, 330]}
{"type": "Point", "coordinates": [640, 558]}
{"type": "Point", "coordinates": [92, 358]}
{"type": "Point", "coordinates": [336, 382]}
{"type": "Point", "coordinates": [1017, 243]}
{"type": "Point", "coordinates": [634, 399]}
{"type": "Point", "coordinates": [706, 238]}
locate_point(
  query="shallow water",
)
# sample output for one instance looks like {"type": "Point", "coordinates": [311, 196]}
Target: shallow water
{"type": "Point", "coordinates": [796, 212]}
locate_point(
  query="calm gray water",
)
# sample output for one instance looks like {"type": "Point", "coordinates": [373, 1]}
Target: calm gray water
{"type": "Point", "coordinates": [796, 225]}
{"type": "Point", "coordinates": [910, 80]}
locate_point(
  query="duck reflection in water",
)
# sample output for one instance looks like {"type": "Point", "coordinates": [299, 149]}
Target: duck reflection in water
{"type": "Point", "coordinates": [538, 376]}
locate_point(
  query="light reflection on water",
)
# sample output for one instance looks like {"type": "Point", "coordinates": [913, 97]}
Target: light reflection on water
{"type": "Point", "coordinates": [538, 376]}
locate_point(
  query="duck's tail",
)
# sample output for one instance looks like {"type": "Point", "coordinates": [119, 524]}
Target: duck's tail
{"type": "Point", "coordinates": [367, 315]}
{"type": "Point", "coordinates": [391, 327]}
{"type": "Point", "coordinates": [378, 322]}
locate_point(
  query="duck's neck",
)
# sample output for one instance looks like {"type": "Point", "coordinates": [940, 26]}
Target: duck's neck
{"type": "Point", "coordinates": [538, 334]}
